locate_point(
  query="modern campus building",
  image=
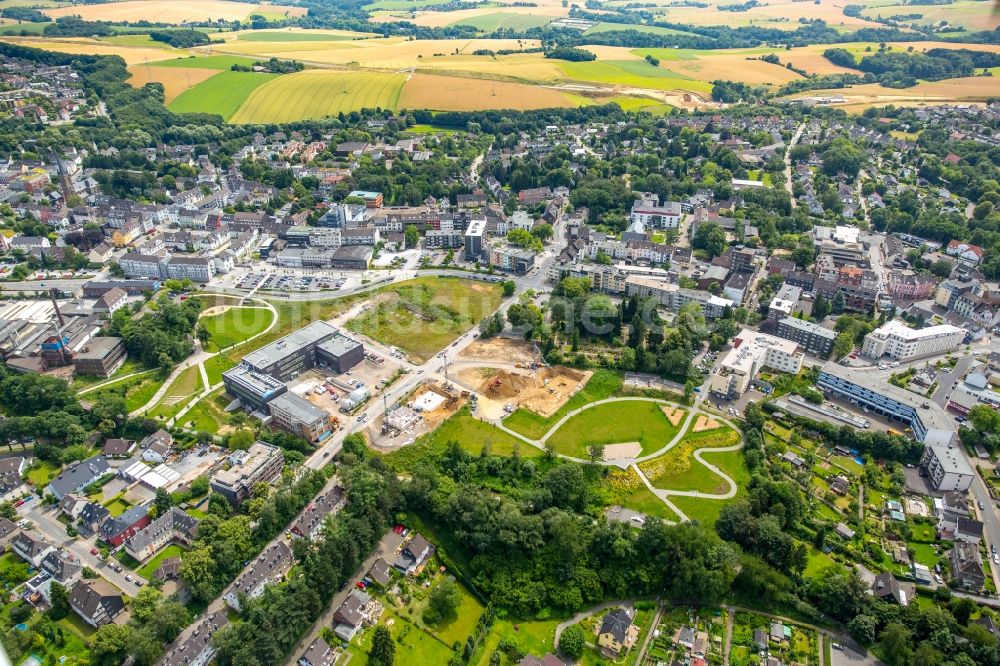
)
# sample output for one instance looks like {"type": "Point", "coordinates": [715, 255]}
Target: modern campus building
{"type": "Point", "coordinates": [300, 417]}
{"type": "Point", "coordinates": [902, 343]}
{"type": "Point", "coordinates": [815, 339]}
{"type": "Point", "coordinates": [947, 468]}
{"type": "Point", "coordinates": [751, 352]}
{"type": "Point", "coordinates": [926, 419]}
{"type": "Point", "coordinates": [261, 463]}
{"type": "Point", "coordinates": [474, 239]}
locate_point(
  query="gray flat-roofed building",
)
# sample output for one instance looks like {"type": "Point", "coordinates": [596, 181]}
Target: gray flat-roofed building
{"type": "Point", "coordinates": [300, 417]}
{"type": "Point", "coordinates": [947, 468]}
{"type": "Point", "coordinates": [261, 463]}
{"type": "Point", "coordinates": [925, 418]}
{"type": "Point", "coordinates": [102, 356]}
{"type": "Point", "coordinates": [815, 339]}
{"type": "Point", "coordinates": [341, 353]}
{"type": "Point", "coordinates": [254, 389]}
{"type": "Point", "coordinates": [288, 357]}
{"type": "Point", "coordinates": [352, 257]}
{"type": "Point", "coordinates": [474, 239]}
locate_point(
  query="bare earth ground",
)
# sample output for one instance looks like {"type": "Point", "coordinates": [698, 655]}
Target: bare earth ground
{"type": "Point", "coordinates": [513, 351]}
{"type": "Point", "coordinates": [703, 423]}
{"type": "Point", "coordinates": [175, 80]}
{"type": "Point", "coordinates": [542, 392]}
{"type": "Point", "coordinates": [623, 450]}
{"type": "Point", "coordinates": [673, 414]}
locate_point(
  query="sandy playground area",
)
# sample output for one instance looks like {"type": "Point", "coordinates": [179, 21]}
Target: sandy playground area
{"type": "Point", "coordinates": [703, 423]}
{"type": "Point", "coordinates": [623, 450]}
{"type": "Point", "coordinates": [673, 414]}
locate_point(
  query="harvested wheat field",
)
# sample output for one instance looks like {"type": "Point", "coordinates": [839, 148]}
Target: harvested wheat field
{"type": "Point", "coordinates": [508, 349]}
{"type": "Point", "coordinates": [131, 55]}
{"type": "Point", "coordinates": [731, 67]}
{"type": "Point", "coordinates": [673, 414]}
{"type": "Point", "coordinates": [967, 89]}
{"type": "Point", "coordinates": [543, 392]}
{"type": "Point", "coordinates": [703, 423]}
{"type": "Point", "coordinates": [172, 11]}
{"type": "Point", "coordinates": [451, 93]}
{"type": "Point", "coordinates": [175, 80]}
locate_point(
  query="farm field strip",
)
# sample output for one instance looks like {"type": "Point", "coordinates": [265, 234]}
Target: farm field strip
{"type": "Point", "coordinates": [175, 11]}
{"type": "Point", "coordinates": [223, 93]}
{"type": "Point", "coordinates": [450, 93]}
{"type": "Point", "coordinates": [318, 93]}
{"type": "Point", "coordinates": [175, 80]}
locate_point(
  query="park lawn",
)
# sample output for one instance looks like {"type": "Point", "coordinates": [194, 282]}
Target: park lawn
{"type": "Point", "coordinates": [536, 638]}
{"type": "Point", "coordinates": [470, 433]}
{"type": "Point", "coordinates": [137, 391]}
{"type": "Point", "coordinates": [117, 506]}
{"type": "Point", "coordinates": [208, 414]}
{"type": "Point", "coordinates": [702, 479]}
{"type": "Point", "coordinates": [697, 508]}
{"type": "Point", "coordinates": [816, 561]}
{"type": "Point", "coordinates": [178, 394]}
{"type": "Point", "coordinates": [425, 315]}
{"type": "Point", "coordinates": [215, 366]}
{"type": "Point", "coordinates": [41, 475]}
{"type": "Point", "coordinates": [603, 384]}
{"type": "Point", "coordinates": [678, 469]}
{"type": "Point", "coordinates": [644, 501]}
{"type": "Point", "coordinates": [235, 325]}
{"type": "Point", "coordinates": [223, 93]}
{"type": "Point", "coordinates": [147, 569]}
{"type": "Point", "coordinates": [614, 423]}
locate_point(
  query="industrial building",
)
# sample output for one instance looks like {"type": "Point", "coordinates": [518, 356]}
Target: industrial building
{"type": "Point", "coordinates": [901, 343]}
{"type": "Point", "coordinates": [751, 352]}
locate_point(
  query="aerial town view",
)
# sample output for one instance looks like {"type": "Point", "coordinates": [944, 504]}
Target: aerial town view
{"type": "Point", "coordinates": [499, 333]}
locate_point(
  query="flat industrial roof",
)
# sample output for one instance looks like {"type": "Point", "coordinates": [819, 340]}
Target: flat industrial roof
{"type": "Point", "coordinates": [300, 408]}
{"type": "Point", "coordinates": [339, 345]}
{"type": "Point", "coordinates": [289, 344]}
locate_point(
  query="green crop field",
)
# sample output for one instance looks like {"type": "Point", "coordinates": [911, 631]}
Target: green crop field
{"type": "Point", "coordinates": [652, 29]}
{"type": "Point", "coordinates": [223, 93]}
{"type": "Point", "coordinates": [495, 21]}
{"type": "Point", "coordinates": [636, 73]}
{"type": "Point", "coordinates": [319, 94]}
{"type": "Point", "coordinates": [614, 423]}
{"type": "Point", "coordinates": [219, 62]}
{"type": "Point", "coordinates": [18, 29]}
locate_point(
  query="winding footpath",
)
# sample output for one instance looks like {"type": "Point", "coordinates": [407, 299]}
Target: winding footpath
{"type": "Point", "coordinates": [633, 463]}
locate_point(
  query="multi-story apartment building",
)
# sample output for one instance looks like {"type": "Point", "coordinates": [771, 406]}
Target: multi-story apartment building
{"type": "Point", "coordinates": [674, 297]}
{"type": "Point", "coordinates": [911, 287]}
{"type": "Point", "coordinates": [261, 463]}
{"type": "Point", "coordinates": [927, 421]}
{"type": "Point", "coordinates": [474, 237]}
{"type": "Point", "coordinates": [947, 468]}
{"type": "Point", "coordinates": [813, 338]}
{"type": "Point", "coordinates": [269, 568]}
{"type": "Point", "coordinates": [647, 212]}
{"type": "Point", "coordinates": [752, 351]}
{"type": "Point", "coordinates": [300, 417]}
{"type": "Point", "coordinates": [174, 525]}
{"type": "Point", "coordinates": [196, 269]}
{"type": "Point", "coordinates": [902, 343]}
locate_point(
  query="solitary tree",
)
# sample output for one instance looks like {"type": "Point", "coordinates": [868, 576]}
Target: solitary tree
{"type": "Point", "coordinates": [571, 642]}
{"type": "Point", "coordinates": [383, 650]}
{"type": "Point", "coordinates": [596, 452]}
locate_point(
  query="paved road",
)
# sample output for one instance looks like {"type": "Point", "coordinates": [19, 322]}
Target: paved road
{"type": "Point", "coordinates": [788, 162]}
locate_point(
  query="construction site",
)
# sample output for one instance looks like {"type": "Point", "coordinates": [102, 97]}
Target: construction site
{"type": "Point", "coordinates": [420, 412]}
{"type": "Point", "coordinates": [542, 390]}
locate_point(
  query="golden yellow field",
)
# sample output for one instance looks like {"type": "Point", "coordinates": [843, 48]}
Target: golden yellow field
{"type": "Point", "coordinates": [441, 19]}
{"type": "Point", "coordinates": [446, 93]}
{"type": "Point", "coordinates": [783, 14]}
{"type": "Point", "coordinates": [973, 88]}
{"type": "Point", "coordinates": [731, 67]}
{"type": "Point", "coordinates": [81, 46]}
{"type": "Point", "coordinates": [172, 11]}
{"type": "Point", "coordinates": [175, 80]}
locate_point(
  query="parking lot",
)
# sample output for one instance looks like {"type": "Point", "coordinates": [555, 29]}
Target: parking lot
{"type": "Point", "coordinates": [269, 281]}
{"type": "Point", "coordinates": [327, 392]}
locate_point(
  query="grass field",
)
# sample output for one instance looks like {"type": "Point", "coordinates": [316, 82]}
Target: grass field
{"type": "Point", "coordinates": [967, 14]}
{"type": "Point", "coordinates": [299, 35]}
{"type": "Point", "coordinates": [603, 384]}
{"type": "Point", "coordinates": [223, 93]}
{"type": "Point", "coordinates": [470, 433]}
{"type": "Point", "coordinates": [178, 394]}
{"type": "Point", "coordinates": [497, 20]}
{"type": "Point", "coordinates": [235, 325]}
{"type": "Point", "coordinates": [530, 637]}
{"type": "Point", "coordinates": [209, 414]}
{"type": "Point", "coordinates": [614, 423]}
{"type": "Point", "coordinates": [217, 62]}
{"type": "Point", "coordinates": [679, 470]}
{"type": "Point", "coordinates": [172, 11]}
{"type": "Point", "coordinates": [319, 94]}
{"type": "Point", "coordinates": [425, 315]}
{"type": "Point", "coordinates": [147, 569]}
{"type": "Point", "coordinates": [137, 391]}
{"type": "Point", "coordinates": [215, 366]}
{"type": "Point", "coordinates": [632, 73]}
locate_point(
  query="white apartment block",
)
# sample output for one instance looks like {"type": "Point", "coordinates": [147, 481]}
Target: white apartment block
{"type": "Point", "coordinates": [751, 352]}
{"type": "Point", "coordinates": [902, 343]}
{"type": "Point", "coordinates": [946, 467]}
{"type": "Point", "coordinates": [647, 212]}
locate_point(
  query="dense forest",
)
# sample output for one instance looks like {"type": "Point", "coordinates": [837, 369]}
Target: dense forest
{"type": "Point", "coordinates": [898, 69]}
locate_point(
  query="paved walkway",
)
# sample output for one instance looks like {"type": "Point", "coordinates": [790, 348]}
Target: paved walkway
{"type": "Point", "coordinates": [110, 382]}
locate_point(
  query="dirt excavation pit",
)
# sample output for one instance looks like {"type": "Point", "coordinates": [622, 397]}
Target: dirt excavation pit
{"type": "Point", "coordinates": [511, 351]}
{"type": "Point", "coordinates": [703, 423]}
{"type": "Point", "coordinates": [673, 414]}
{"type": "Point", "coordinates": [542, 391]}
{"type": "Point", "coordinates": [623, 450]}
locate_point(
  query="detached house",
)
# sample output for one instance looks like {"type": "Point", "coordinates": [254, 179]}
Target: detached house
{"type": "Point", "coordinates": [967, 565]}
{"type": "Point", "coordinates": [31, 549]}
{"type": "Point", "coordinates": [414, 554]}
{"type": "Point", "coordinates": [96, 602]}
{"type": "Point", "coordinates": [616, 633]}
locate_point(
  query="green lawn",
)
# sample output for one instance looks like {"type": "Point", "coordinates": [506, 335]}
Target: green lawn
{"type": "Point", "coordinates": [6, 562]}
{"type": "Point", "coordinates": [235, 325]}
{"type": "Point", "coordinates": [603, 384]}
{"type": "Point", "coordinates": [223, 93]}
{"type": "Point", "coordinates": [507, 20]}
{"type": "Point", "coordinates": [187, 384]}
{"type": "Point", "coordinates": [413, 644]}
{"type": "Point", "coordinates": [117, 506]}
{"type": "Point", "coordinates": [147, 569]}
{"type": "Point", "coordinates": [470, 433]}
{"type": "Point", "coordinates": [696, 508]}
{"type": "Point", "coordinates": [644, 501]}
{"type": "Point", "coordinates": [638, 73]}
{"type": "Point", "coordinates": [208, 414]}
{"type": "Point", "coordinates": [43, 473]}
{"type": "Point", "coordinates": [425, 315]}
{"type": "Point", "coordinates": [215, 366]}
{"type": "Point", "coordinates": [130, 366]}
{"type": "Point", "coordinates": [219, 62]}
{"type": "Point", "coordinates": [614, 423]}
{"type": "Point", "coordinates": [923, 553]}
{"type": "Point", "coordinates": [137, 391]}
{"type": "Point", "coordinates": [702, 479]}
{"type": "Point", "coordinates": [817, 561]}
{"type": "Point", "coordinates": [535, 638]}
